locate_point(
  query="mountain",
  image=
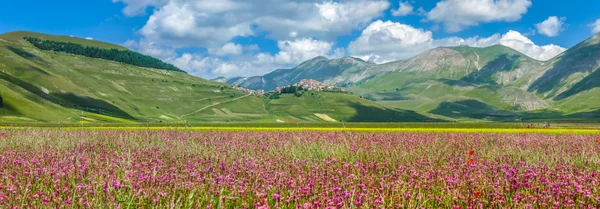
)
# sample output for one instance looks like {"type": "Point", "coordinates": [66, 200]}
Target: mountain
{"type": "Point", "coordinates": [571, 71]}
{"type": "Point", "coordinates": [340, 72]}
{"type": "Point", "coordinates": [465, 83]}
{"type": "Point", "coordinates": [495, 76]}
{"type": "Point", "coordinates": [220, 79]}
{"type": "Point", "coordinates": [39, 85]}
{"type": "Point", "coordinates": [492, 83]}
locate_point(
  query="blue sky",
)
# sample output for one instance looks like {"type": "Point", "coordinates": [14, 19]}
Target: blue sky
{"type": "Point", "coordinates": [211, 38]}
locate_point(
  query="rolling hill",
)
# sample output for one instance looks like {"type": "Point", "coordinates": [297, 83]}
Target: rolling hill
{"type": "Point", "coordinates": [48, 86]}
{"type": "Point", "coordinates": [340, 72]}
{"type": "Point", "coordinates": [465, 83]}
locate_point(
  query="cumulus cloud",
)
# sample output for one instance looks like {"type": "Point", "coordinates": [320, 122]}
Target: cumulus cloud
{"type": "Point", "coordinates": [456, 15]}
{"type": "Point", "coordinates": [292, 53]}
{"type": "Point", "coordinates": [227, 49]}
{"type": "Point", "coordinates": [389, 41]}
{"type": "Point", "coordinates": [138, 7]}
{"type": "Point", "coordinates": [385, 41]}
{"type": "Point", "coordinates": [551, 27]}
{"type": "Point", "coordinates": [89, 38]}
{"type": "Point", "coordinates": [595, 26]}
{"type": "Point", "coordinates": [404, 9]}
{"type": "Point", "coordinates": [209, 23]}
{"type": "Point", "coordinates": [151, 49]}
{"type": "Point", "coordinates": [517, 41]}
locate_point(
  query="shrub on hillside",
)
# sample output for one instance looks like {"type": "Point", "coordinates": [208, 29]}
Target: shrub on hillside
{"type": "Point", "coordinates": [123, 56]}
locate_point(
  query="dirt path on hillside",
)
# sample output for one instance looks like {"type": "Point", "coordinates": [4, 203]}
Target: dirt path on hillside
{"type": "Point", "coordinates": [212, 105]}
{"type": "Point", "coordinates": [325, 117]}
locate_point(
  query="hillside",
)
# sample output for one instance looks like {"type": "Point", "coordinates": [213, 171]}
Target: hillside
{"type": "Point", "coordinates": [327, 106]}
{"type": "Point", "coordinates": [340, 72]}
{"type": "Point", "coordinates": [492, 83]}
{"type": "Point", "coordinates": [465, 83]}
{"type": "Point", "coordinates": [73, 88]}
{"type": "Point", "coordinates": [494, 76]}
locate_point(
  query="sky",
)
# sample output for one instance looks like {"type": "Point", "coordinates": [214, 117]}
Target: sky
{"type": "Point", "coordinates": [212, 38]}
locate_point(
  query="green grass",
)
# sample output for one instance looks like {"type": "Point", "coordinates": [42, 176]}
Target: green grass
{"type": "Point", "coordinates": [339, 106]}
{"type": "Point", "coordinates": [67, 87]}
{"type": "Point", "coordinates": [17, 37]}
{"type": "Point", "coordinates": [76, 89]}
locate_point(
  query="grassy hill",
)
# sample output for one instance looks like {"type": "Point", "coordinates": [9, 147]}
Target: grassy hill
{"type": "Point", "coordinates": [324, 106]}
{"type": "Point", "coordinates": [72, 88]}
{"type": "Point", "coordinates": [47, 86]}
{"type": "Point", "coordinates": [17, 37]}
{"type": "Point", "coordinates": [339, 72]}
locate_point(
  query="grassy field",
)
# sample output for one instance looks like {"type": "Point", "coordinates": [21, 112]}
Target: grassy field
{"type": "Point", "coordinates": [564, 128]}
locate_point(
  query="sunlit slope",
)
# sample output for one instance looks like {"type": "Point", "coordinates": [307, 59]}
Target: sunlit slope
{"type": "Point", "coordinates": [325, 106]}
{"type": "Point", "coordinates": [48, 86]}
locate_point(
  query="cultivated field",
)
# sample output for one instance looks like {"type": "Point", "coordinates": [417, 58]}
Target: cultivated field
{"type": "Point", "coordinates": [411, 168]}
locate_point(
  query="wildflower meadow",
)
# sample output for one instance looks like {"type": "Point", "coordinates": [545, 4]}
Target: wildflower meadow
{"type": "Point", "coordinates": [51, 168]}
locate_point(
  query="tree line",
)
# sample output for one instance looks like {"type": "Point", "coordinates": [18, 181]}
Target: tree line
{"type": "Point", "coordinates": [123, 56]}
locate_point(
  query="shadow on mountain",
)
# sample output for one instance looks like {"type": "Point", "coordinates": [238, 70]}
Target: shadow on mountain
{"type": "Point", "coordinates": [27, 86]}
{"type": "Point", "coordinates": [592, 116]}
{"type": "Point", "coordinates": [93, 105]}
{"type": "Point", "coordinates": [503, 63]}
{"type": "Point", "coordinates": [376, 114]}
{"type": "Point", "coordinates": [459, 83]}
{"type": "Point", "coordinates": [575, 60]}
{"type": "Point", "coordinates": [66, 100]}
{"type": "Point", "coordinates": [384, 96]}
{"type": "Point", "coordinates": [589, 82]}
{"type": "Point", "coordinates": [472, 109]}
{"type": "Point", "coordinates": [32, 68]}
{"type": "Point", "coordinates": [25, 54]}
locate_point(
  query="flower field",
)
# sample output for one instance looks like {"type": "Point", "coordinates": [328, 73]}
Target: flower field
{"type": "Point", "coordinates": [54, 168]}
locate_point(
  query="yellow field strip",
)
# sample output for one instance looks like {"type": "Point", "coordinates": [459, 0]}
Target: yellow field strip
{"type": "Point", "coordinates": [407, 130]}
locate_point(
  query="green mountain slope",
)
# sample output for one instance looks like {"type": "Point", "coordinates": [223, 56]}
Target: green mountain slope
{"type": "Point", "coordinates": [572, 72]}
{"type": "Point", "coordinates": [313, 106]}
{"type": "Point", "coordinates": [493, 76]}
{"type": "Point", "coordinates": [339, 72]}
{"type": "Point", "coordinates": [492, 83]}
{"type": "Point", "coordinates": [47, 86]}
{"type": "Point", "coordinates": [72, 88]}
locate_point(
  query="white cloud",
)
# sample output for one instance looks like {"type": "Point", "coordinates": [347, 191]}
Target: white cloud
{"type": "Point", "coordinates": [389, 41]}
{"type": "Point", "coordinates": [151, 49]}
{"type": "Point", "coordinates": [227, 49]}
{"type": "Point", "coordinates": [291, 53]}
{"type": "Point", "coordinates": [551, 27]}
{"type": "Point", "coordinates": [297, 51]}
{"type": "Point", "coordinates": [138, 7]}
{"type": "Point", "coordinates": [517, 41]}
{"type": "Point", "coordinates": [457, 15]}
{"type": "Point", "coordinates": [404, 9]}
{"type": "Point", "coordinates": [192, 24]}
{"type": "Point", "coordinates": [209, 23]}
{"type": "Point", "coordinates": [595, 26]}
{"type": "Point", "coordinates": [89, 38]}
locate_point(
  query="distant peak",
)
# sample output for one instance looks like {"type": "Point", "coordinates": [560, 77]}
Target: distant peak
{"type": "Point", "coordinates": [349, 58]}
{"type": "Point", "coordinates": [320, 58]}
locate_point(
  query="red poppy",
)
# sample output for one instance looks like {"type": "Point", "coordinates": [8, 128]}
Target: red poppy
{"type": "Point", "coordinates": [477, 194]}
{"type": "Point", "coordinates": [471, 152]}
{"type": "Point", "coordinates": [597, 140]}
{"type": "Point", "coordinates": [471, 161]}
